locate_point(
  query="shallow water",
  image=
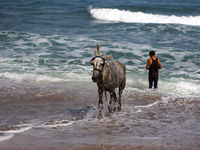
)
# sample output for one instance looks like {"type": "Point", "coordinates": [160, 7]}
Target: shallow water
{"type": "Point", "coordinates": [68, 114]}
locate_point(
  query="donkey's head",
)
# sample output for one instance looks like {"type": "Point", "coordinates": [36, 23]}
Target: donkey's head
{"type": "Point", "coordinates": [98, 63]}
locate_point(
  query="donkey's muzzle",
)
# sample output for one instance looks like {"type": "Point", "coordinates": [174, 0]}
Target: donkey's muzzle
{"type": "Point", "coordinates": [94, 79]}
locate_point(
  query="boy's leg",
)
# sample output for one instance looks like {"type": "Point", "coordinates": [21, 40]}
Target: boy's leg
{"type": "Point", "coordinates": [150, 81]}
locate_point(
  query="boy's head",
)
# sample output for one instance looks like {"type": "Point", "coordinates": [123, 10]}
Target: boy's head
{"type": "Point", "coordinates": [152, 53]}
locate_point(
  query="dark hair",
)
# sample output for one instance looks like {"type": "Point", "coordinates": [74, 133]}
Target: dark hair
{"type": "Point", "coordinates": [151, 53]}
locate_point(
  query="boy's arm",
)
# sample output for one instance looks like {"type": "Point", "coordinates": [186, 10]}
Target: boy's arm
{"type": "Point", "coordinates": [160, 66]}
{"type": "Point", "coordinates": [148, 64]}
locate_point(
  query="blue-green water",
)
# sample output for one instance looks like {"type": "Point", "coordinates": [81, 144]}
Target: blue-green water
{"type": "Point", "coordinates": [51, 43]}
{"type": "Point", "coordinates": [54, 41]}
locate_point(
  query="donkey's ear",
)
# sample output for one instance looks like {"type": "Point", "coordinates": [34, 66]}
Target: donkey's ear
{"type": "Point", "coordinates": [97, 50]}
{"type": "Point", "coordinates": [101, 54]}
{"type": "Point", "coordinates": [107, 57]}
{"type": "Point", "coordinates": [92, 61]}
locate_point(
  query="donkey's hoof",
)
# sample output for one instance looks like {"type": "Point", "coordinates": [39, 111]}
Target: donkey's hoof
{"type": "Point", "coordinates": [119, 108]}
{"type": "Point", "coordinates": [110, 108]}
{"type": "Point", "coordinates": [100, 116]}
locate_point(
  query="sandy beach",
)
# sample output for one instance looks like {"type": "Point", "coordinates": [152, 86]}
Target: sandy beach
{"type": "Point", "coordinates": [65, 117]}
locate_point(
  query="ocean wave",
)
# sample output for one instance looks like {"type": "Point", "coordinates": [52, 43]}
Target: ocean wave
{"type": "Point", "coordinates": [116, 15]}
{"type": "Point", "coordinates": [181, 86]}
{"type": "Point", "coordinates": [45, 78]}
{"type": "Point", "coordinates": [171, 85]}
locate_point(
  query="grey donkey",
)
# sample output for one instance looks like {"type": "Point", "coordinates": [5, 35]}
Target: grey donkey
{"type": "Point", "coordinates": [108, 77]}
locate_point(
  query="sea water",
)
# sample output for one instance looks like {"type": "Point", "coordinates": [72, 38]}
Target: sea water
{"type": "Point", "coordinates": [45, 71]}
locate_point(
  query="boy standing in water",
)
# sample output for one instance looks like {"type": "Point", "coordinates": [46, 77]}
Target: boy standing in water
{"type": "Point", "coordinates": [153, 64]}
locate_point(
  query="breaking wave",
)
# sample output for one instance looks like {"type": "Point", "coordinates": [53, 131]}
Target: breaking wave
{"type": "Point", "coordinates": [116, 15]}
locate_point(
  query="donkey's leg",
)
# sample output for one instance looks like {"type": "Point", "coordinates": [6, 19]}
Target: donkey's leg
{"type": "Point", "coordinates": [121, 87]}
{"type": "Point", "coordinates": [115, 101]}
{"type": "Point", "coordinates": [106, 101]}
{"type": "Point", "coordinates": [119, 99]}
{"type": "Point", "coordinates": [105, 96]}
{"type": "Point", "coordinates": [100, 104]}
{"type": "Point", "coordinates": [110, 102]}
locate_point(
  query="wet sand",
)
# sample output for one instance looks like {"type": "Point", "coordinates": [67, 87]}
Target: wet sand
{"type": "Point", "coordinates": [31, 141]}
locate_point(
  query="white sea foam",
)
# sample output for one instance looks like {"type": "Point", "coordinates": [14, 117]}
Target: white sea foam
{"type": "Point", "coordinates": [24, 127]}
{"type": "Point", "coordinates": [30, 77]}
{"type": "Point", "coordinates": [6, 137]}
{"type": "Point", "coordinates": [116, 15]}
{"type": "Point", "coordinates": [180, 86]}
{"type": "Point", "coordinates": [172, 85]}
{"type": "Point", "coordinates": [55, 124]}
{"type": "Point", "coordinates": [9, 134]}
{"type": "Point", "coordinates": [149, 105]}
